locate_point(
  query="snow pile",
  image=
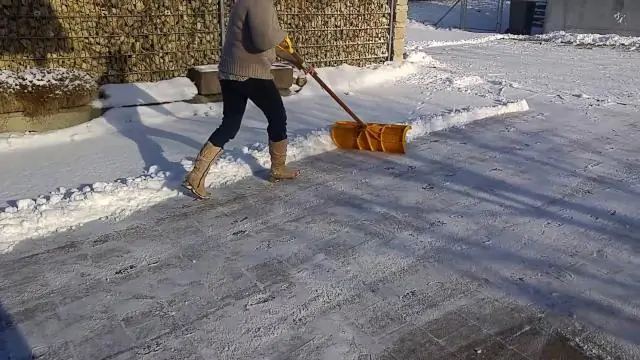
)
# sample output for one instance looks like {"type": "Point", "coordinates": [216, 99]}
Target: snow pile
{"type": "Point", "coordinates": [45, 77]}
{"type": "Point", "coordinates": [562, 37]}
{"type": "Point", "coordinates": [66, 78]}
{"type": "Point", "coordinates": [425, 60]}
{"type": "Point", "coordinates": [42, 91]}
{"type": "Point", "coordinates": [416, 45]}
{"type": "Point", "coordinates": [127, 117]}
{"type": "Point", "coordinates": [421, 36]}
{"type": "Point", "coordinates": [144, 93]}
{"type": "Point", "coordinates": [343, 78]}
{"type": "Point", "coordinates": [348, 78]}
{"type": "Point", "coordinates": [423, 124]}
{"type": "Point", "coordinates": [8, 80]}
{"type": "Point", "coordinates": [466, 81]}
{"type": "Point", "coordinates": [435, 76]}
{"type": "Point", "coordinates": [66, 209]}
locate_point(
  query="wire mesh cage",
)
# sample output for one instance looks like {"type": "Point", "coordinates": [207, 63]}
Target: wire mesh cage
{"type": "Point", "coordinates": [150, 40]}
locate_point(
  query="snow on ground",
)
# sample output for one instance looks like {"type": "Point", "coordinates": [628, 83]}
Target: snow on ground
{"type": "Point", "coordinates": [563, 37]}
{"type": "Point", "coordinates": [483, 27]}
{"type": "Point", "coordinates": [537, 206]}
{"type": "Point", "coordinates": [343, 78]}
{"type": "Point", "coordinates": [78, 168]}
{"type": "Point", "coordinates": [118, 95]}
{"type": "Point", "coordinates": [67, 208]}
{"type": "Point", "coordinates": [134, 157]}
{"type": "Point", "coordinates": [29, 77]}
{"type": "Point", "coordinates": [365, 253]}
{"type": "Point", "coordinates": [347, 78]}
{"type": "Point", "coordinates": [421, 36]}
{"type": "Point", "coordinates": [589, 78]}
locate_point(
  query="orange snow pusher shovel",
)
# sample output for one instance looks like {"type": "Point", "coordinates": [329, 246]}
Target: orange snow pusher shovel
{"type": "Point", "coordinates": [358, 135]}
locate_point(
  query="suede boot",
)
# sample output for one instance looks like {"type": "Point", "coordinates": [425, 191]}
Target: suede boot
{"type": "Point", "coordinates": [278, 152]}
{"type": "Point", "coordinates": [194, 181]}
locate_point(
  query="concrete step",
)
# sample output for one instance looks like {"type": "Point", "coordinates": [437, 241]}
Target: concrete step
{"type": "Point", "coordinates": [64, 118]}
{"type": "Point", "coordinates": [205, 77]}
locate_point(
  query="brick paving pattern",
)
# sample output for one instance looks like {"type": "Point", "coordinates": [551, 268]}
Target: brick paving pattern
{"type": "Point", "coordinates": [288, 273]}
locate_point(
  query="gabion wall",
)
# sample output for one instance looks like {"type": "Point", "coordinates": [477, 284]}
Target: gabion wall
{"type": "Point", "coordinates": [149, 40]}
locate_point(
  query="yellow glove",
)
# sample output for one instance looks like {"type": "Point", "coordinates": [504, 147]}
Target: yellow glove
{"type": "Point", "coordinates": [287, 45]}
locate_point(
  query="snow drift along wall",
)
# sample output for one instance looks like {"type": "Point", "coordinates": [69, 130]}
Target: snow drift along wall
{"type": "Point", "coordinates": [149, 40]}
{"type": "Point", "coordinates": [620, 17]}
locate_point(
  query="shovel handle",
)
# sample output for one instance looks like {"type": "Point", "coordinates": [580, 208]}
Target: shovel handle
{"type": "Point", "coordinates": [335, 97]}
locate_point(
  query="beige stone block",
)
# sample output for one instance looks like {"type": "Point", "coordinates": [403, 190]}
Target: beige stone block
{"type": "Point", "coordinates": [206, 79]}
{"type": "Point", "coordinates": [399, 33]}
{"type": "Point", "coordinates": [402, 14]}
{"type": "Point", "coordinates": [65, 118]}
{"type": "Point", "coordinates": [282, 75]}
{"type": "Point", "coordinates": [398, 50]}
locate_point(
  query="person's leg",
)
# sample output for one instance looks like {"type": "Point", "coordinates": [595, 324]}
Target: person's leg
{"type": "Point", "coordinates": [234, 104]}
{"type": "Point", "coordinates": [266, 96]}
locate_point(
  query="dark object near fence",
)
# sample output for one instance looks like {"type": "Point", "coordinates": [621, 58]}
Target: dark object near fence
{"type": "Point", "coordinates": [525, 16]}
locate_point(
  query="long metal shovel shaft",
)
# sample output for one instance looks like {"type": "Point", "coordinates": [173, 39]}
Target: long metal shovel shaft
{"type": "Point", "coordinates": [335, 97]}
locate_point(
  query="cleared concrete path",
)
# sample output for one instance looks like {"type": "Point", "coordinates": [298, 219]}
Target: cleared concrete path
{"type": "Point", "coordinates": [509, 239]}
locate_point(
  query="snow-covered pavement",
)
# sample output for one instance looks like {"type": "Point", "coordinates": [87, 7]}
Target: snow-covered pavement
{"type": "Point", "coordinates": [534, 202]}
{"type": "Point", "coordinates": [365, 250]}
{"type": "Point", "coordinates": [593, 78]}
{"type": "Point", "coordinates": [133, 158]}
{"type": "Point", "coordinates": [160, 141]}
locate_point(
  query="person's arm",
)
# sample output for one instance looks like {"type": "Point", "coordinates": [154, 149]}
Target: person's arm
{"type": "Point", "coordinates": [286, 56]}
{"type": "Point", "coordinates": [285, 50]}
{"type": "Point", "coordinates": [263, 24]}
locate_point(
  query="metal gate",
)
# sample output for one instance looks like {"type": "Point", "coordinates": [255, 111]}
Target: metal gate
{"type": "Point", "coordinates": [473, 15]}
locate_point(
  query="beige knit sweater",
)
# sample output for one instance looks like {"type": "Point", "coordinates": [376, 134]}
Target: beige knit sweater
{"type": "Point", "coordinates": [252, 34]}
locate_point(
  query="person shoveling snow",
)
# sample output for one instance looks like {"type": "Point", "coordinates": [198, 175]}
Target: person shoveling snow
{"type": "Point", "coordinates": [245, 74]}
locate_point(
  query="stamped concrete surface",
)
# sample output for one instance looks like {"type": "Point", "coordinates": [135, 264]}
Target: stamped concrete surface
{"type": "Point", "coordinates": [514, 238]}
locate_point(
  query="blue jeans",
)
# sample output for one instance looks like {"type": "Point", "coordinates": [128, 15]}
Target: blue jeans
{"type": "Point", "coordinates": [264, 94]}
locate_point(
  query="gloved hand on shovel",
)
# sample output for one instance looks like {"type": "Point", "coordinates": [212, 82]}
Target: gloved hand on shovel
{"type": "Point", "coordinates": [285, 51]}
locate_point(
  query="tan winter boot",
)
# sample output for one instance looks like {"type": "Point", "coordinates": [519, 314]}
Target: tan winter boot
{"type": "Point", "coordinates": [278, 152]}
{"type": "Point", "coordinates": [194, 181]}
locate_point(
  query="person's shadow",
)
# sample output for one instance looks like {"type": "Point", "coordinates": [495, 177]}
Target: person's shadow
{"type": "Point", "coordinates": [50, 37]}
{"type": "Point", "coordinates": [34, 42]}
{"type": "Point", "coordinates": [131, 125]}
{"type": "Point", "coordinates": [13, 344]}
